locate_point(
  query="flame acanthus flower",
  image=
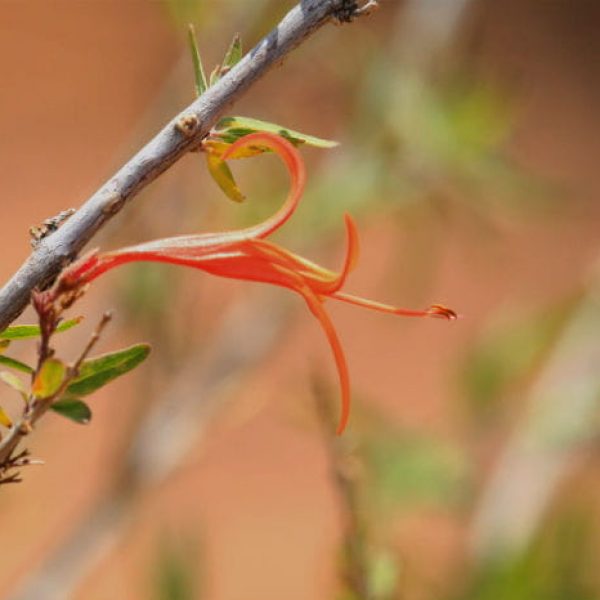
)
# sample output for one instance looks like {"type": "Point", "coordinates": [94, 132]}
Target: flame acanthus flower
{"type": "Point", "coordinates": [246, 254]}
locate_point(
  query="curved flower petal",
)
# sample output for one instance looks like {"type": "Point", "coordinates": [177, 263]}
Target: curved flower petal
{"type": "Point", "coordinates": [245, 254]}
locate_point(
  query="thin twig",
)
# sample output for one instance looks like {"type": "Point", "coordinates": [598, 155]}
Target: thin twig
{"type": "Point", "coordinates": [37, 407]}
{"type": "Point", "coordinates": [181, 135]}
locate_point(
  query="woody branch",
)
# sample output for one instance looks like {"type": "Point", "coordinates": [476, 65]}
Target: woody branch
{"type": "Point", "coordinates": [181, 134]}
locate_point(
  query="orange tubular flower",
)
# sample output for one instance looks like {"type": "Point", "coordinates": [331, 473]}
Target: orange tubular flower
{"type": "Point", "coordinates": [246, 254]}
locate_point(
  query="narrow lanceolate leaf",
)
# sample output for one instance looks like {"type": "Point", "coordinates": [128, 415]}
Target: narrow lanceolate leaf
{"type": "Point", "coordinates": [199, 75]}
{"type": "Point", "coordinates": [223, 176]}
{"type": "Point", "coordinates": [233, 54]}
{"type": "Point", "coordinates": [15, 383]}
{"type": "Point", "coordinates": [22, 332]}
{"type": "Point", "coordinates": [13, 363]}
{"type": "Point", "coordinates": [49, 378]}
{"type": "Point", "coordinates": [73, 409]}
{"type": "Point", "coordinates": [230, 129]}
{"type": "Point", "coordinates": [99, 371]}
{"type": "Point", "coordinates": [5, 419]}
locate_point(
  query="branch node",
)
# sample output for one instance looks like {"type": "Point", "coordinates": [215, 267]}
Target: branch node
{"type": "Point", "coordinates": [350, 10]}
{"type": "Point", "coordinates": [48, 226]}
{"type": "Point", "coordinates": [113, 205]}
{"type": "Point", "coordinates": [187, 125]}
{"type": "Point", "coordinates": [25, 428]}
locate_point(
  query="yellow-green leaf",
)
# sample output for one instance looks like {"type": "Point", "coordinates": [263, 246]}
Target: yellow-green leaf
{"type": "Point", "coordinates": [99, 371]}
{"type": "Point", "coordinates": [13, 363]}
{"type": "Point", "coordinates": [15, 383]}
{"type": "Point", "coordinates": [4, 344]}
{"type": "Point", "coordinates": [234, 53]}
{"type": "Point", "coordinates": [223, 176]}
{"type": "Point", "coordinates": [5, 419]}
{"type": "Point", "coordinates": [230, 129]}
{"type": "Point", "coordinates": [199, 75]}
{"type": "Point", "coordinates": [73, 409]}
{"type": "Point", "coordinates": [49, 378]}
{"type": "Point", "coordinates": [22, 332]}
{"type": "Point", "coordinates": [218, 148]}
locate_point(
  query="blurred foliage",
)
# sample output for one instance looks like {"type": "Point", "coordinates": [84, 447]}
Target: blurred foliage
{"type": "Point", "coordinates": [407, 469]}
{"type": "Point", "coordinates": [184, 11]}
{"type": "Point", "coordinates": [507, 355]}
{"type": "Point", "coordinates": [384, 574]}
{"type": "Point", "coordinates": [144, 293]}
{"type": "Point", "coordinates": [560, 564]}
{"type": "Point", "coordinates": [176, 572]}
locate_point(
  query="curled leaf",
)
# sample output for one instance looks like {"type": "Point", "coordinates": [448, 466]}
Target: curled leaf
{"type": "Point", "coordinates": [223, 176]}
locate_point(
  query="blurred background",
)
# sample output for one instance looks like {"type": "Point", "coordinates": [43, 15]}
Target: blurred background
{"type": "Point", "coordinates": [469, 135]}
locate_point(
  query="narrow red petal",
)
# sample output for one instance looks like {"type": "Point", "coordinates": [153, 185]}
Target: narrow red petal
{"type": "Point", "coordinates": [435, 310]}
{"type": "Point", "coordinates": [351, 258]}
{"type": "Point", "coordinates": [295, 165]}
{"type": "Point", "coordinates": [319, 311]}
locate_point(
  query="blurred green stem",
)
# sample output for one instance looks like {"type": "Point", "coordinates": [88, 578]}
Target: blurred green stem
{"type": "Point", "coordinates": [344, 475]}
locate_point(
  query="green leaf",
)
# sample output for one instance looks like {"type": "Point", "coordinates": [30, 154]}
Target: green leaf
{"type": "Point", "coordinates": [22, 332]}
{"type": "Point", "coordinates": [99, 371]}
{"type": "Point", "coordinates": [5, 419]}
{"type": "Point", "coordinates": [231, 129]}
{"type": "Point", "coordinates": [223, 176]}
{"type": "Point", "coordinates": [15, 383]}
{"type": "Point", "coordinates": [199, 75]}
{"type": "Point", "coordinates": [49, 378]}
{"type": "Point", "coordinates": [13, 363]}
{"type": "Point", "coordinates": [233, 54]}
{"type": "Point", "coordinates": [73, 409]}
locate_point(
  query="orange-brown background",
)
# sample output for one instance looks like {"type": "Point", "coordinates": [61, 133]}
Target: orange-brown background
{"type": "Point", "coordinates": [249, 509]}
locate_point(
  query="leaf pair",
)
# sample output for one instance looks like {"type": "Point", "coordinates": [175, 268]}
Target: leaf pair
{"type": "Point", "coordinates": [232, 57]}
{"type": "Point", "coordinates": [230, 129]}
{"type": "Point", "coordinates": [93, 374]}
